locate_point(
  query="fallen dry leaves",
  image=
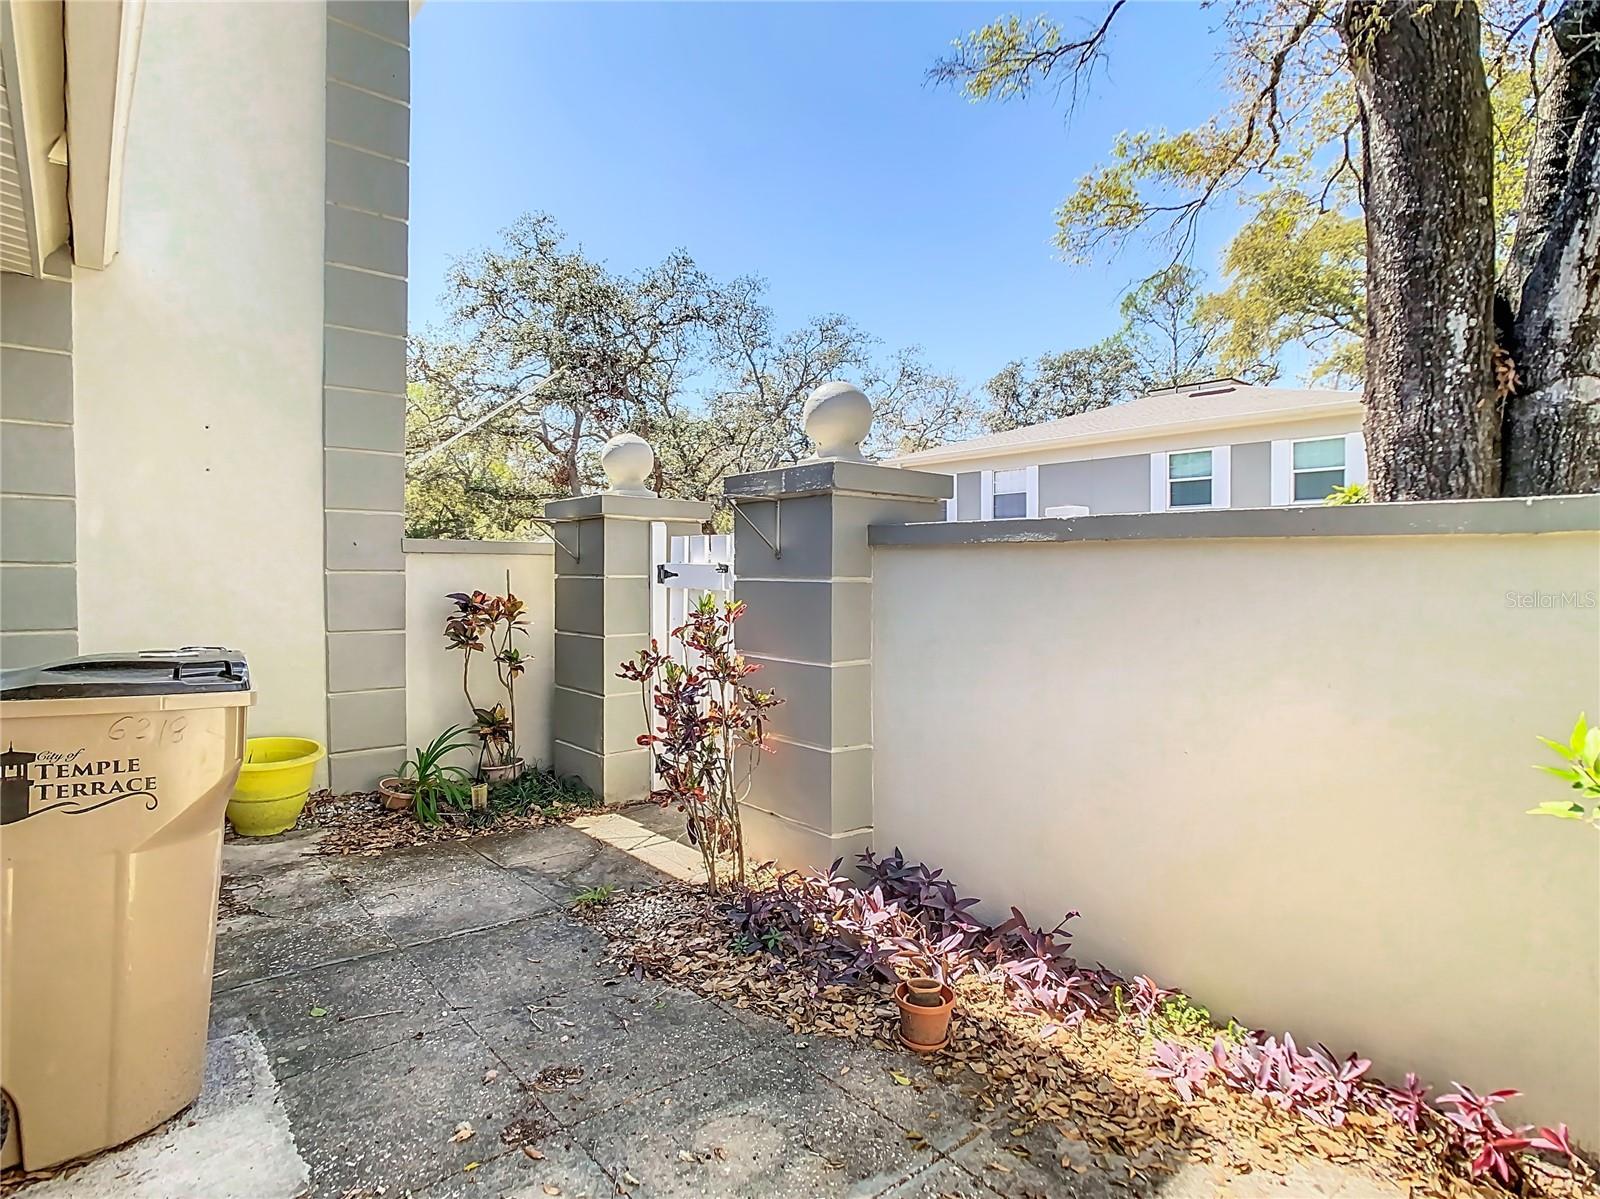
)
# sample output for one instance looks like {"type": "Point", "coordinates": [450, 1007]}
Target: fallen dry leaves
{"type": "Point", "coordinates": [1091, 1083]}
{"type": "Point", "coordinates": [358, 823]}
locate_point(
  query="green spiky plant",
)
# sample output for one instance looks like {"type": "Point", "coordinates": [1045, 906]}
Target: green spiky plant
{"type": "Point", "coordinates": [435, 783]}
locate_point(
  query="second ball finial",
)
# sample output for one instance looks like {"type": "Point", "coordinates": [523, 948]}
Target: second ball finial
{"type": "Point", "coordinates": [837, 417]}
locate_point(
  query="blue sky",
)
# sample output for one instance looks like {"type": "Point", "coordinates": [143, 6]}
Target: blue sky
{"type": "Point", "coordinates": [798, 142]}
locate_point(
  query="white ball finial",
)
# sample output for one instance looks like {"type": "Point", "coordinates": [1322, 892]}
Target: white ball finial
{"type": "Point", "coordinates": [627, 460]}
{"type": "Point", "coordinates": [837, 417]}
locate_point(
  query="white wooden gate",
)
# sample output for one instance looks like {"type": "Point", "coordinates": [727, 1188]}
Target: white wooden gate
{"type": "Point", "coordinates": [682, 569]}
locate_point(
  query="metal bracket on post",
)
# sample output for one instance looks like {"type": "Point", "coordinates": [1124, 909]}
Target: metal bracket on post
{"type": "Point", "coordinates": [775, 542]}
{"type": "Point", "coordinates": [573, 552]}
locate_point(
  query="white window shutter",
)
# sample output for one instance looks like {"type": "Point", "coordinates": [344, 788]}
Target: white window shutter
{"type": "Point", "coordinates": [1033, 492]}
{"type": "Point", "coordinates": [1355, 457]}
{"type": "Point", "coordinates": [1158, 482]}
{"type": "Point", "coordinates": [1282, 472]}
{"type": "Point", "coordinates": [986, 496]}
{"type": "Point", "coordinates": [1222, 477]}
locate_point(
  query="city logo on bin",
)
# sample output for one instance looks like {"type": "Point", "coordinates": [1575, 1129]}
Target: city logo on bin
{"type": "Point", "coordinates": [68, 781]}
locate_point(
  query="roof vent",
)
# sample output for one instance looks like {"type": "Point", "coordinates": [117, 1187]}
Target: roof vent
{"type": "Point", "coordinates": [1214, 390]}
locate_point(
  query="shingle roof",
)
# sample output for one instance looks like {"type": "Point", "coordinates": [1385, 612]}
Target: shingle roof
{"type": "Point", "coordinates": [1208, 403]}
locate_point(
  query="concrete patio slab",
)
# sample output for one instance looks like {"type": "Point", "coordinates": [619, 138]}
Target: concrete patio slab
{"type": "Point", "coordinates": [366, 1004]}
{"type": "Point", "coordinates": [371, 1005]}
{"type": "Point", "coordinates": [616, 1043]}
{"type": "Point", "coordinates": [387, 1118]}
{"type": "Point", "coordinates": [567, 877]}
{"type": "Point", "coordinates": [412, 864]}
{"type": "Point", "coordinates": [562, 1164]}
{"type": "Point", "coordinates": [235, 1141]}
{"type": "Point", "coordinates": [944, 1113]}
{"type": "Point", "coordinates": [507, 968]}
{"type": "Point", "coordinates": [941, 1180]}
{"type": "Point", "coordinates": [434, 908]}
{"type": "Point", "coordinates": [255, 946]}
{"type": "Point", "coordinates": [757, 1125]}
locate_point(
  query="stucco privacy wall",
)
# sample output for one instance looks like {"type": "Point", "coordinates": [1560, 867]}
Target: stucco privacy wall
{"type": "Point", "coordinates": [434, 701]}
{"type": "Point", "coordinates": [1279, 767]}
{"type": "Point", "coordinates": [368, 146]}
{"type": "Point", "coordinates": [198, 359]}
{"type": "Point", "coordinates": [38, 517]}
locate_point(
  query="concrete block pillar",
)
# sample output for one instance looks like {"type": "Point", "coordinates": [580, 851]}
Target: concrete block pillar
{"type": "Point", "coordinates": [603, 575]}
{"type": "Point", "coordinates": [802, 564]}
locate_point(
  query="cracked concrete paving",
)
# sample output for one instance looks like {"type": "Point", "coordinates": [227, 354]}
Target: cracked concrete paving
{"type": "Point", "coordinates": [364, 1007]}
{"type": "Point", "coordinates": [432, 967]}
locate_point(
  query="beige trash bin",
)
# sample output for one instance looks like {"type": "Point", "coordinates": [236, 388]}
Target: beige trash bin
{"type": "Point", "coordinates": [114, 775]}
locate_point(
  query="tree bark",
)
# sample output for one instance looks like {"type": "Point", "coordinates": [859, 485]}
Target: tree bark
{"type": "Point", "coordinates": [1433, 420]}
{"type": "Point", "coordinates": [1551, 286]}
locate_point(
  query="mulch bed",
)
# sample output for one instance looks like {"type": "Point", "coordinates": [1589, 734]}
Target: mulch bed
{"type": "Point", "coordinates": [358, 823]}
{"type": "Point", "coordinates": [1091, 1082]}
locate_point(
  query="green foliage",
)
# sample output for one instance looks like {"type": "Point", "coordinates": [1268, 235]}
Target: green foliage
{"type": "Point", "coordinates": [1284, 142]}
{"type": "Point", "coordinates": [1350, 493]}
{"type": "Point", "coordinates": [1296, 275]}
{"type": "Point", "coordinates": [1167, 332]}
{"type": "Point", "coordinates": [541, 790]}
{"type": "Point", "coordinates": [548, 353]}
{"type": "Point", "coordinates": [1581, 752]}
{"type": "Point", "coordinates": [1062, 384]}
{"type": "Point", "coordinates": [435, 783]}
{"type": "Point", "coordinates": [1180, 1017]}
{"type": "Point", "coordinates": [593, 897]}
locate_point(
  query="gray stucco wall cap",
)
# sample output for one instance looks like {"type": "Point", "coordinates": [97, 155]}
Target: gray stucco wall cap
{"type": "Point", "coordinates": [1546, 514]}
{"type": "Point", "coordinates": [634, 507]}
{"type": "Point", "coordinates": [834, 475]}
{"type": "Point", "coordinates": [432, 545]}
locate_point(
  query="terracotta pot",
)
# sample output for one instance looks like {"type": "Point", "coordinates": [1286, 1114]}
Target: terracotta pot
{"type": "Point", "coordinates": [925, 1006]}
{"type": "Point", "coordinates": [504, 772]}
{"type": "Point", "coordinates": [396, 795]}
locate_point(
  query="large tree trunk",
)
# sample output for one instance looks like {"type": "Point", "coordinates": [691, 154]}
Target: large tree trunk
{"type": "Point", "coordinates": [1550, 290]}
{"type": "Point", "coordinates": [1433, 421]}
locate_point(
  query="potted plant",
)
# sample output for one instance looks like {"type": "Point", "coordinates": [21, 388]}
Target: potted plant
{"type": "Point", "coordinates": [484, 623]}
{"type": "Point", "coordinates": [925, 1006]}
{"type": "Point", "coordinates": [426, 782]}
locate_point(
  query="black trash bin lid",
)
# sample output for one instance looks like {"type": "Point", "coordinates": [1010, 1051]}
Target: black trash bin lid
{"type": "Point", "coordinates": [193, 668]}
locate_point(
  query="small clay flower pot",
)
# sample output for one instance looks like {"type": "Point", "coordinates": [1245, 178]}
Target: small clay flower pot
{"type": "Point", "coordinates": [925, 1006]}
{"type": "Point", "coordinates": [396, 795]}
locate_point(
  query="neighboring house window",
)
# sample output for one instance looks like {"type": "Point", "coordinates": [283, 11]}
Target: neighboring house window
{"type": "Point", "coordinates": [1304, 471]}
{"type": "Point", "coordinates": [1189, 479]}
{"type": "Point", "coordinates": [1185, 479]}
{"type": "Point", "coordinates": [1010, 494]}
{"type": "Point", "coordinates": [1318, 467]}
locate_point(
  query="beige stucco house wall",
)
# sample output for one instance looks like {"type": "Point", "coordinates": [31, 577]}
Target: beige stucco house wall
{"type": "Point", "coordinates": [198, 360]}
{"type": "Point", "coordinates": [204, 409]}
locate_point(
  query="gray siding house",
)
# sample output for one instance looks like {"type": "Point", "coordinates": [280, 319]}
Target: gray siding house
{"type": "Point", "coordinates": [1218, 444]}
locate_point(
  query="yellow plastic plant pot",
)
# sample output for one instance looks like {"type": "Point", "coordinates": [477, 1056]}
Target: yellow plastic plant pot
{"type": "Point", "coordinates": [273, 783]}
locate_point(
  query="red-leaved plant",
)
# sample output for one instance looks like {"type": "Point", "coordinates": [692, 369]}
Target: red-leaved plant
{"type": "Point", "coordinates": [484, 623]}
{"type": "Point", "coordinates": [706, 730]}
{"type": "Point", "coordinates": [906, 919]}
